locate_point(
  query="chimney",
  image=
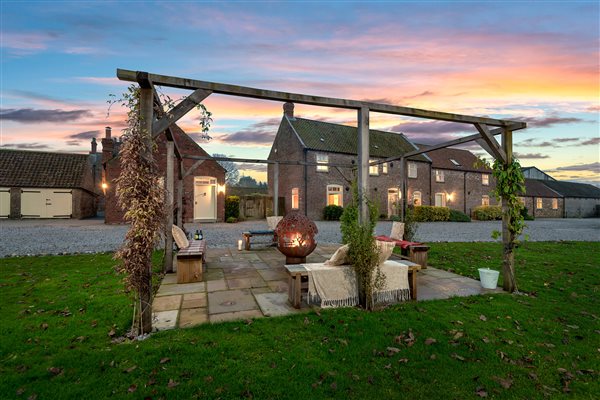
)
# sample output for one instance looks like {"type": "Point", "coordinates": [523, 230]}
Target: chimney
{"type": "Point", "coordinates": [94, 146]}
{"type": "Point", "coordinates": [288, 110]}
{"type": "Point", "coordinates": [107, 146]}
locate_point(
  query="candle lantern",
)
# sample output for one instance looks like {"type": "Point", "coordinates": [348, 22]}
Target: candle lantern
{"type": "Point", "coordinates": [296, 237]}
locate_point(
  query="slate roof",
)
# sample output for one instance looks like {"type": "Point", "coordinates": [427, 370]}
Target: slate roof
{"type": "Point", "coordinates": [572, 189]}
{"type": "Point", "coordinates": [328, 137]}
{"type": "Point", "coordinates": [441, 159]}
{"type": "Point", "coordinates": [538, 188]}
{"type": "Point", "coordinates": [21, 168]}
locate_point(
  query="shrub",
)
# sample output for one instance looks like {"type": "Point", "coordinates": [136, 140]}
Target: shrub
{"type": "Point", "coordinates": [410, 224]}
{"type": "Point", "coordinates": [231, 220]}
{"type": "Point", "coordinates": [332, 213]}
{"type": "Point", "coordinates": [395, 218]}
{"type": "Point", "coordinates": [525, 214]}
{"type": "Point", "coordinates": [457, 216]}
{"type": "Point", "coordinates": [487, 213]}
{"type": "Point", "coordinates": [431, 213]}
{"type": "Point", "coordinates": [232, 207]}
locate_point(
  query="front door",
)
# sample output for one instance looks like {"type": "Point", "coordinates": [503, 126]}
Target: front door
{"type": "Point", "coordinates": [392, 204]}
{"type": "Point", "coordinates": [205, 198]}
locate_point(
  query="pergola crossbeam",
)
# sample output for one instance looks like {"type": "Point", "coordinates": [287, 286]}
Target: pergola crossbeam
{"type": "Point", "coordinates": [244, 91]}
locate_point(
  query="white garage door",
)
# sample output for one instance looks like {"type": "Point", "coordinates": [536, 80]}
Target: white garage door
{"type": "Point", "coordinates": [46, 203]}
{"type": "Point", "coordinates": [4, 202]}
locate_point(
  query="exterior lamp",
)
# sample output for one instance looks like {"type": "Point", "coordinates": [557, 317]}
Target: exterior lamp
{"type": "Point", "coordinates": [221, 188]}
{"type": "Point", "coordinates": [450, 196]}
{"type": "Point", "coordinates": [104, 187]}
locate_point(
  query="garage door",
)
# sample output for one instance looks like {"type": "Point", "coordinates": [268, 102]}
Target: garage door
{"type": "Point", "coordinates": [46, 203]}
{"type": "Point", "coordinates": [4, 202]}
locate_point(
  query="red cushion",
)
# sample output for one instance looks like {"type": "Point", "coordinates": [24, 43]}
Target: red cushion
{"type": "Point", "coordinates": [404, 244]}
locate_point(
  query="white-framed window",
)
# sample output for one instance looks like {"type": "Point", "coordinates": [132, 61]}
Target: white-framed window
{"type": "Point", "coordinates": [416, 198]}
{"type": "Point", "coordinates": [439, 175]}
{"type": "Point", "coordinates": [322, 159]}
{"type": "Point", "coordinates": [335, 195]}
{"type": "Point", "coordinates": [485, 200]}
{"type": "Point", "coordinates": [295, 199]}
{"type": "Point", "coordinates": [539, 203]}
{"type": "Point", "coordinates": [440, 199]}
{"type": "Point", "coordinates": [485, 179]}
{"type": "Point", "coordinates": [384, 168]}
{"type": "Point", "coordinates": [373, 169]}
{"type": "Point", "coordinates": [412, 170]}
{"type": "Point", "coordinates": [555, 204]}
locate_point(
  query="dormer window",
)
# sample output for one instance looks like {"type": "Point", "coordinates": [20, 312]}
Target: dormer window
{"type": "Point", "coordinates": [453, 161]}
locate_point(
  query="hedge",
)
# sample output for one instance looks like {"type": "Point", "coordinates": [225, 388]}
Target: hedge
{"type": "Point", "coordinates": [332, 213]}
{"type": "Point", "coordinates": [457, 216]}
{"type": "Point", "coordinates": [487, 213]}
{"type": "Point", "coordinates": [431, 213]}
{"type": "Point", "coordinates": [232, 207]}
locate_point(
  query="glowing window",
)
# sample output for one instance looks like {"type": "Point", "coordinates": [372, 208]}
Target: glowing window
{"type": "Point", "coordinates": [417, 198]}
{"type": "Point", "coordinates": [485, 200]}
{"type": "Point", "coordinates": [384, 168]}
{"type": "Point", "coordinates": [335, 195]}
{"type": "Point", "coordinates": [485, 179]}
{"type": "Point", "coordinates": [322, 159]}
{"type": "Point", "coordinates": [373, 169]}
{"type": "Point", "coordinates": [555, 204]}
{"type": "Point", "coordinates": [295, 199]}
{"type": "Point", "coordinates": [439, 175]}
{"type": "Point", "coordinates": [539, 203]}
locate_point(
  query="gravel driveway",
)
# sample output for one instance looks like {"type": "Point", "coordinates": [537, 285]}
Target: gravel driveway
{"type": "Point", "coordinates": [29, 237]}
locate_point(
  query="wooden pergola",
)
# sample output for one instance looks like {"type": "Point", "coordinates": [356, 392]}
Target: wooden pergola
{"type": "Point", "coordinates": [159, 122]}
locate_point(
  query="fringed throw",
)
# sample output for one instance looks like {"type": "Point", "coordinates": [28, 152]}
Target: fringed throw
{"type": "Point", "coordinates": [335, 286]}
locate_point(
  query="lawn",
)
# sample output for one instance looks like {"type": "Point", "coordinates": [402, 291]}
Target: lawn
{"type": "Point", "coordinates": [60, 316]}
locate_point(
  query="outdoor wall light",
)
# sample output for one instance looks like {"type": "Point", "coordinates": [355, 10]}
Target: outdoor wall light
{"type": "Point", "coordinates": [449, 196]}
{"type": "Point", "coordinates": [221, 188]}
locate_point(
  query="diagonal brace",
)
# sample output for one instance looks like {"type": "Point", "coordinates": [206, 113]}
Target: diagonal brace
{"type": "Point", "coordinates": [494, 146]}
{"type": "Point", "coordinates": [179, 111]}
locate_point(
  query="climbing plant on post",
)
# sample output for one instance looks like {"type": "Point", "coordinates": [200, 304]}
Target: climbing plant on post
{"type": "Point", "coordinates": [140, 194]}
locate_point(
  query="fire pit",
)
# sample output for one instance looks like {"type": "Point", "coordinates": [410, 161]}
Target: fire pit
{"type": "Point", "coordinates": [296, 237]}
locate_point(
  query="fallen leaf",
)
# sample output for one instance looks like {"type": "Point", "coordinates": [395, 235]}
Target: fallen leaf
{"type": "Point", "coordinates": [429, 341]}
{"type": "Point", "coordinates": [44, 326]}
{"type": "Point", "coordinates": [485, 339]}
{"type": "Point", "coordinates": [432, 357]}
{"type": "Point", "coordinates": [112, 332]}
{"type": "Point", "coordinates": [151, 382]}
{"type": "Point", "coordinates": [20, 391]}
{"type": "Point", "coordinates": [483, 317]}
{"type": "Point", "coordinates": [132, 388]}
{"type": "Point", "coordinates": [480, 391]}
{"type": "Point", "coordinates": [306, 321]}
{"type": "Point", "coordinates": [392, 351]}
{"type": "Point", "coordinates": [533, 376]}
{"type": "Point", "coordinates": [165, 360]}
{"type": "Point", "coordinates": [456, 356]}
{"type": "Point", "coordinates": [32, 397]}
{"type": "Point", "coordinates": [388, 366]}
{"type": "Point", "coordinates": [403, 360]}
{"type": "Point", "coordinates": [208, 379]}
{"type": "Point", "coordinates": [505, 383]}
{"type": "Point", "coordinates": [130, 369]}
{"type": "Point", "coordinates": [172, 383]}
{"type": "Point", "coordinates": [458, 335]}
{"type": "Point", "coordinates": [54, 370]}
{"type": "Point", "coordinates": [94, 323]}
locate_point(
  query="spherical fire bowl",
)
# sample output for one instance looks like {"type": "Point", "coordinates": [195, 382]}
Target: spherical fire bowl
{"type": "Point", "coordinates": [296, 237]}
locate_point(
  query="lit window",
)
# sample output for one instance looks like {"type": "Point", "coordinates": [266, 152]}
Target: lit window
{"type": "Point", "coordinates": [440, 199]}
{"type": "Point", "coordinates": [485, 200]}
{"type": "Point", "coordinates": [539, 203]}
{"type": "Point", "coordinates": [334, 195]}
{"type": "Point", "coordinates": [295, 199]}
{"type": "Point", "coordinates": [485, 179]}
{"type": "Point", "coordinates": [455, 162]}
{"type": "Point", "coordinates": [417, 198]}
{"type": "Point", "coordinates": [412, 170]}
{"type": "Point", "coordinates": [439, 175]}
{"type": "Point", "coordinates": [322, 159]}
{"type": "Point", "coordinates": [384, 168]}
{"type": "Point", "coordinates": [555, 204]}
{"type": "Point", "coordinates": [373, 169]}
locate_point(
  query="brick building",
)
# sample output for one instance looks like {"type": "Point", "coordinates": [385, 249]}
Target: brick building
{"type": "Point", "coordinates": [203, 187]}
{"type": "Point", "coordinates": [35, 184]}
{"type": "Point", "coordinates": [309, 188]}
{"type": "Point", "coordinates": [541, 201]}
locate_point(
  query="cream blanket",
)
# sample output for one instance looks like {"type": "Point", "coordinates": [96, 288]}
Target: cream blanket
{"type": "Point", "coordinates": [335, 286]}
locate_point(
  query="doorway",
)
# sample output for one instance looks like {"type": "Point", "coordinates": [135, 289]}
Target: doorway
{"type": "Point", "coordinates": [392, 202]}
{"type": "Point", "coordinates": [205, 198]}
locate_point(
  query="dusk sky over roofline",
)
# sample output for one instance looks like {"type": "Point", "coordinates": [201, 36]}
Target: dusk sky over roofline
{"type": "Point", "coordinates": [532, 61]}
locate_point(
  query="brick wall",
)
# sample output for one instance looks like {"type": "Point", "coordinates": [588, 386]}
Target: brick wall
{"type": "Point", "coordinates": [546, 211]}
{"type": "Point", "coordinates": [84, 204]}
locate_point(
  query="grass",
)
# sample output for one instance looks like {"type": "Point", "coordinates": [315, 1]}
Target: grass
{"type": "Point", "coordinates": [57, 313]}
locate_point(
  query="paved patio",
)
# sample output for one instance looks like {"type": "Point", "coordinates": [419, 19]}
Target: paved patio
{"type": "Point", "coordinates": [253, 284]}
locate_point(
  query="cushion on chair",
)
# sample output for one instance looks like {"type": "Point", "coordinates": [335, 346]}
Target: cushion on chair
{"type": "Point", "coordinates": [385, 250]}
{"type": "Point", "coordinates": [340, 257]}
{"type": "Point", "coordinates": [179, 237]}
{"type": "Point", "coordinates": [397, 230]}
{"type": "Point", "coordinates": [273, 221]}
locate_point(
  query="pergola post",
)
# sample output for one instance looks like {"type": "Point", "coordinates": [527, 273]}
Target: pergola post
{"type": "Point", "coordinates": [402, 187]}
{"type": "Point", "coordinates": [169, 186]}
{"type": "Point", "coordinates": [276, 189]}
{"type": "Point", "coordinates": [508, 262]}
{"type": "Point", "coordinates": [363, 164]}
{"type": "Point", "coordinates": [145, 288]}
{"type": "Point", "coordinates": [180, 196]}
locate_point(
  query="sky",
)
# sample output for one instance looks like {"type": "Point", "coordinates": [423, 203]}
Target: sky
{"type": "Point", "coordinates": [534, 61]}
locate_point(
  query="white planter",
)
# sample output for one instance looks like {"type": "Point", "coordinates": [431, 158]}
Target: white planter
{"type": "Point", "coordinates": [488, 278]}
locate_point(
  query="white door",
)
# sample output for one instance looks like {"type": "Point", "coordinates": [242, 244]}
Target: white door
{"type": "Point", "coordinates": [46, 203]}
{"type": "Point", "coordinates": [4, 202]}
{"type": "Point", "coordinates": [440, 199]}
{"type": "Point", "coordinates": [205, 198]}
{"type": "Point", "coordinates": [392, 204]}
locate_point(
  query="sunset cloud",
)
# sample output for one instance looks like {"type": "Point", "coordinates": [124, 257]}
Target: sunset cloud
{"type": "Point", "coordinates": [28, 115]}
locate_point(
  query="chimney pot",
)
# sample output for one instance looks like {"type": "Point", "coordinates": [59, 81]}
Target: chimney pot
{"type": "Point", "coordinates": [94, 146]}
{"type": "Point", "coordinates": [107, 132]}
{"type": "Point", "coordinates": [288, 110]}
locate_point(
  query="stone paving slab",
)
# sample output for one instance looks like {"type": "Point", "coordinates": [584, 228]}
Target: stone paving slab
{"type": "Point", "coordinates": [214, 286]}
{"type": "Point", "coordinates": [274, 304]}
{"type": "Point", "coordinates": [245, 283]}
{"type": "Point", "coordinates": [194, 300]}
{"type": "Point", "coordinates": [278, 286]}
{"type": "Point", "coordinates": [166, 290]}
{"type": "Point", "coordinates": [166, 303]}
{"type": "Point", "coordinates": [163, 320]}
{"type": "Point", "coordinates": [192, 316]}
{"type": "Point", "coordinates": [230, 301]}
{"type": "Point", "coordinates": [169, 278]}
{"type": "Point", "coordinates": [234, 316]}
